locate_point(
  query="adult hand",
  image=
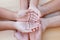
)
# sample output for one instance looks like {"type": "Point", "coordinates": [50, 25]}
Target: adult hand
{"type": "Point", "coordinates": [26, 27]}
{"type": "Point", "coordinates": [23, 16]}
{"type": "Point", "coordinates": [35, 13]}
{"type": "Point", "coordinates": [30, 17]}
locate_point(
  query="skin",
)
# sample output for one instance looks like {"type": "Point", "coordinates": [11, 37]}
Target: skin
{"type": "Point", "coordinates": [7, 14]}
{"type": "Point", "coordinates": [33, 6]}
{"type": "Point", "coordinates": [10, 25]}
{"type": "Point", "coordinates": [45, 11]}
{"type": "Point", "coordinates": [7, 25]}
{"type": "Point", "coordinates": [53, 6]}
{"type": "Point", "coordinates": [33, 3]}
{"type": "Point", "coordinates": [10, 15]}
{"type": "Point", "coordinates": [23, 4]}
{"type": "Point", "coordinates": [47, 23]}
{"type": "Point", "coordinates": [47, 8]}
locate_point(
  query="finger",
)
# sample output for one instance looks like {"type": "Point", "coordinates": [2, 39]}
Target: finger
{"type": "Point", "coordinates": [32, 18]}
{"type": "Point", "coordinates": [34, 15]}
{"type": "Point", "coordinates": [34, 30]}
{"type": "Point", "coordinates": [27, 31]}
{"type": "Point", "coordinates": [37, 28]}
{"type": "Point", "coordinates": [35, 10]}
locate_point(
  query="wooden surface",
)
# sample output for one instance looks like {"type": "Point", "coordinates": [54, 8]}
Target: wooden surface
{"type": "Point", "coordinates": [52, 34]}
{"type": "Point", "coordinates": [7, 35]}
{"type": "Point", "coordinates": [49, 34]}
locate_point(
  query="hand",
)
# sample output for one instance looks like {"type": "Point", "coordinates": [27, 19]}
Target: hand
{"type": "Point", "coordinates": [34, 17]}
{"type": "Point", "coordinates": [22, 27]}
{"type": "Point", "coordinates": [29, 15]}
{"type": "Point", "coordinates": [35, 9]}
{"type": "Point", "coordinates": [35, 13]}
{"type": "Point", "coordinates": [26, 27]}
{"type": "Point", "coordinates": [34, 27]}
{"type": "Point", "coordinates": [23, 16]}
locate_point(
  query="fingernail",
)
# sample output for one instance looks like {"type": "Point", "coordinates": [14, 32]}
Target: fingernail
{"type": "Point", "coordinates": [33, 30]}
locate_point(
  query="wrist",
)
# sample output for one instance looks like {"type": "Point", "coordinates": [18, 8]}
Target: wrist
{"type": "Point", "coordinates": [44, 23]}
{"type": "Point", "coordinates": [16, 25]}
{"type": "Point", "coordinates": [43, 11]}
{"type": "Point", "coordinates": [20, 14]}
{"type": "Point", "coordinates": [20, 26]}
{"type": "Point", "coordinates": [36, 10]}
{"type": "Point", "coordinates": [14, 16]}
{"type": "Point", "coordinates": [9, 25]}
{"type": "Point", "coordinates": [31, 6]}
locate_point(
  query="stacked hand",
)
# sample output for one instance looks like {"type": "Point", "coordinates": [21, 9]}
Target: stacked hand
{"type": "Point", "coordinates": [28, 20]}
